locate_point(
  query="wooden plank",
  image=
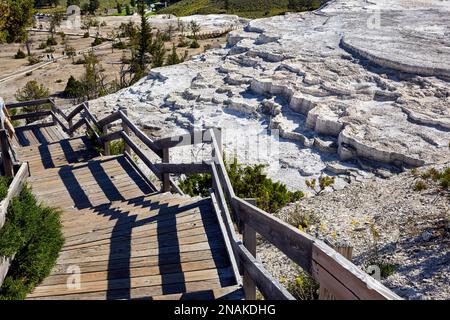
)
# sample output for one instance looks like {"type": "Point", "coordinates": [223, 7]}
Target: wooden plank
{"type": "Point", "coordinates": [175, 188]}
{"type": "Point", "coordinates": [269, 287]}
{"type": "Point", "coordinates": [192, 138]}
{"type": "Point", "coordinates": [59, 122]}
{"type": "Point", "coordinates": [74, 112]}
{"type": "Point", "coordinates": [143, 292]}
{"type": "Point", "coordinates": [141, 155]}
{"type": "Point", "coordinates": [31, 115]}
{"type": "Point", "coordinates": [165, 175]}
{"type": "Point", "coordinates": [292, 242]}
{"type": "Point", "coordinates": [346, 251]}
{"type": "Point", "coordinates": [191, 219]}
{"type": "Point", "coordinates": [135, 282]}
{"type": "Point", "coordinates": [76, 126]}
{"type": "Point", "coordinates": [107, 137]}
{"type": "Point", "coordinates": [226, 239]}
{"type": "Point", "coordinates": [141, 135]}
{"type": "Point", "coordinates": [361, 285]}
{"type": "Point", "coordinates": [138, 238]}
{"type": "Point", "coordinates": [137, 262]}
{"type": "Point", "coordinates": [109, 119]}
{"type": "Point", "coordinates": [13, 190]}
{"type": "Point", "coordinates": [227, 293]}
{"type": "Point", "coordinates": [139, 171]}
{"type": "Point", "coordinates": [86, 277]}
{"type": "Point", "coordinates": [249, 239]}
{"type": "Point", "coordinates": [183, 168]}
{"type": "Point", "coordinates": [106, 142]}
{"type": "Point", "coordinates": [334, 287]}
{"type": "Point", "coordinates": [27, 103]}
{"type": "Point", "coordinates": [57, 110]}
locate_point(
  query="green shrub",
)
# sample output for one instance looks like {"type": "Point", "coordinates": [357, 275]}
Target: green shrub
{"type": "Point", "coordinates": [62, 35]}
{"type": "Point", "coordinates": [248, 182]}
{"type": "Point", "coordinates": [86, 35]}
{"type": "Point", "coordinates": [33, 60]}
{"type": "Point", "coordinates": [51, 41]}
{"type": "Point", "coordinates": [420, 185]}
{"type": "Point", "coordinates": [183, 43]}
{"type": "Point", "coordinates": [119, 45]}
{"type": "Point", "coordinates": [440, 178]}
{"type": "Point", "coordinates": [73, 88]}
{"type": "Point", "coordinates": [29, 73]}
{"type": "Point", "coordinates": [4, 183]}
{"type": "Point", "coordinates": [79, 61]}
{"type": "Point", "coordinates": [20, 55]}
{"type": "Point", "coordinates": [97, 41]}
{"type": "Point", "coordinates": [194, 44]}
{"type": "Point", "coordinates": [42, 46]}
{"type": "Point", "coordinates": [33, 233]}
{"type": "Point", "coordinates": [117, 147]}
{"type": "Point", "coordinates": [324, 182]}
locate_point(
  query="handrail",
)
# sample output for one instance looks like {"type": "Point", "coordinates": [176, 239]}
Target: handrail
{"type": "Point", "coordinates": [339, 276]}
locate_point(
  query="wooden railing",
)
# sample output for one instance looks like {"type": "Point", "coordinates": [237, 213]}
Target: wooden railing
{"type": "Point", "coordinates": [341, 278]}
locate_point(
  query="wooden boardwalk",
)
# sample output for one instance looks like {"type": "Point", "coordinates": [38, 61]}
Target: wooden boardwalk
{"type": "Point", "coordinates": [126, 240]}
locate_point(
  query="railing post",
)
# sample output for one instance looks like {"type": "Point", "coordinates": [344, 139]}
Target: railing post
{"type": "Point", "coordinates": [6, 156]}
{"type": "Point", "coordinates": [166, 176]}
{"type": "Point", "coordinates": [347, 252]}
{"type": "Point", "coordinates": [249, 240]}
{"type": "Point", "coordinates": [218, 134]}
{"type": "Point", "coordinates": [126, 129]}
{"type": "Point", "coordinates": [106, 145]}
{"type": "Point", "coordinates": [70, 123]}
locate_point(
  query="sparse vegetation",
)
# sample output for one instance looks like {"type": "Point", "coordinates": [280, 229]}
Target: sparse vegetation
{"type": "Point", "coordinates": [303, 286]}
{"type": "Point", "coordinates": [303, 219]}
{"type": "Point", "coordinates": [248, 182]}
{"type": "Point", "coordinates": [194, 44]}
{"type": "Point", "coordinates": [324, 182]}
{"type": "Point", "coordinates": [438, 180]}
{"type": "Point", "coordinates": [51, 41]}
{"type": "Point", "coordinates": [33, 60]}
{"type": "Point", "coordinates": [20, 55]}
{"type": "Point", "coordinates": [98, 41]}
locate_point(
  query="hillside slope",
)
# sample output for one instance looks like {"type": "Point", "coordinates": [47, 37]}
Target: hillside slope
{"type": "Point", "coordinates": [244, 8]}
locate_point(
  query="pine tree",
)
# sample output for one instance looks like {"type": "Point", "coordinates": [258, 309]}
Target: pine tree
{"type": "Point", "coordinates": [173, 57]}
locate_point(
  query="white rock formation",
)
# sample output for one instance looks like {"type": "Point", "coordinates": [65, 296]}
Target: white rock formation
{"type": "Point", "coordinates": [363, 82]}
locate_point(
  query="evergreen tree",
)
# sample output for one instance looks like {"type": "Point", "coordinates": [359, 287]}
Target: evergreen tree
{"type": "Point", "coordinates": [93, 6]}
{"type": "Point", "coordinates": [73, 3]}
{"type": "Point", "coordinates": [18, 15]}
{"type": "Point", "coordinates": [173, 58]}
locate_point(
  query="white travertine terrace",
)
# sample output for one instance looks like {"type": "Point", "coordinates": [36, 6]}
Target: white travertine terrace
{"type": "Point", "coordinates": [351, 86]}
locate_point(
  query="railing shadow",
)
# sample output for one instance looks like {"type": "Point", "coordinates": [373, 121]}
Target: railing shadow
{"type": "Point", "coordinates": [167, 252]}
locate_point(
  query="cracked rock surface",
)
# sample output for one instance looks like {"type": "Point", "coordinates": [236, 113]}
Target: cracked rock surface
{"type": "Point", "coordinates": [356, 82]}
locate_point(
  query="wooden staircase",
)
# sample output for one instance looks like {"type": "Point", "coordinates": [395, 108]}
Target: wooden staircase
{"type": "Point", "coordinates": [126, 240]}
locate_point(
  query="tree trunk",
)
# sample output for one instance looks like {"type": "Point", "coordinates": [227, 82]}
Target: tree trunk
{"type": "Point", "coordinates": [27, 43]}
